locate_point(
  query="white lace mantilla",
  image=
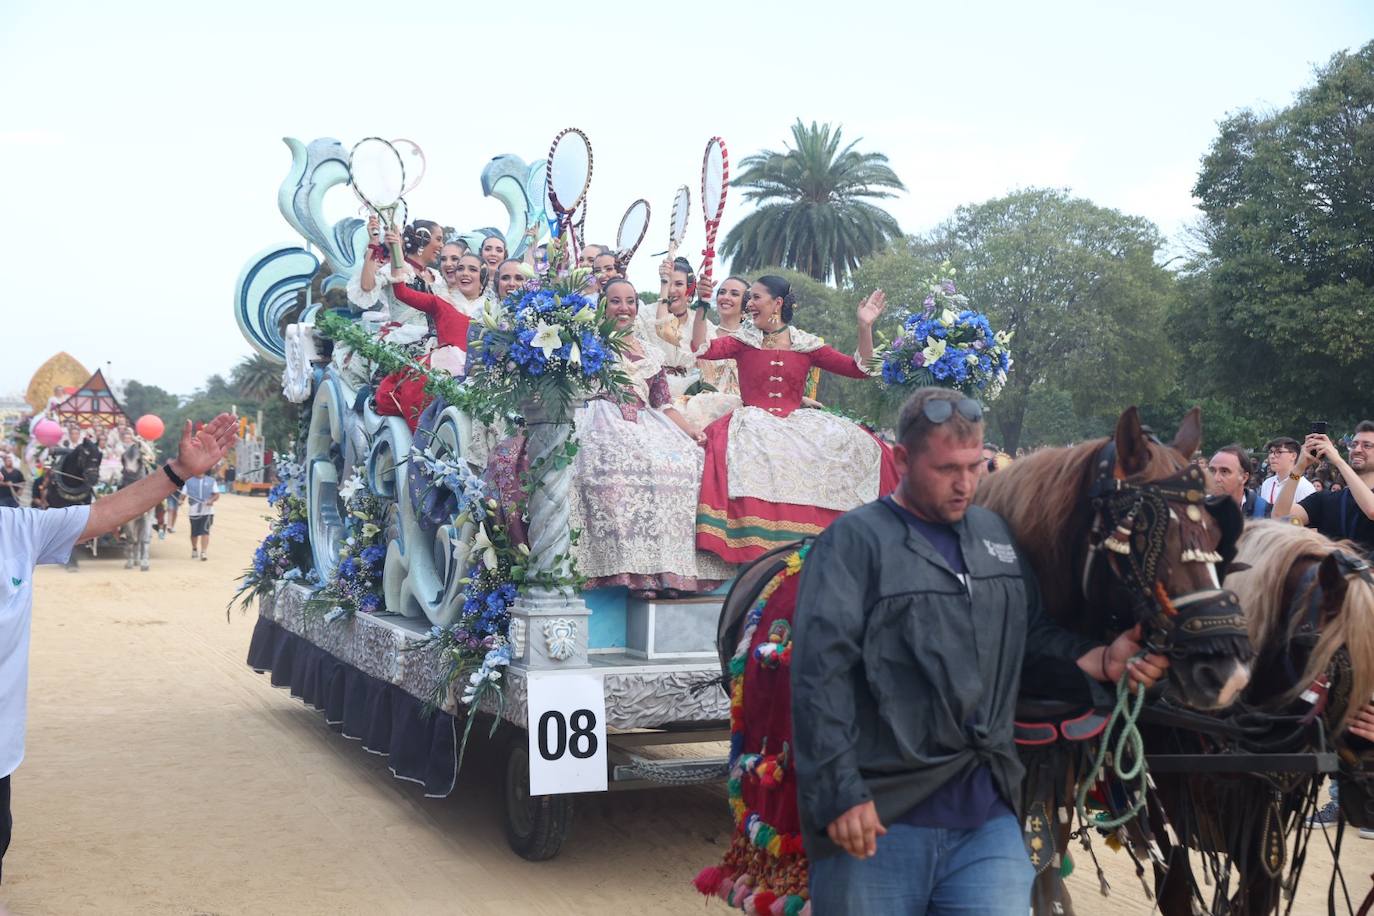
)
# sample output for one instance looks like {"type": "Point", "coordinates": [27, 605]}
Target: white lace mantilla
{"type": "Point", "coordinates": [808, 458]}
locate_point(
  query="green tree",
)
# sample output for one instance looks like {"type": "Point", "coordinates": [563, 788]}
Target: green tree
{"type": "Point", "coordinates": [815, 213]}
{"type": "Point", "coordinates": [1079, 287]}
{"type": "Point", "coordinates": [257, 378]}
{"type": "Point", "coordinates": [1279, 320]}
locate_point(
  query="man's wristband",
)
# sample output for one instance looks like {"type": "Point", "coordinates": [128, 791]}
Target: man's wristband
{"type": "Point", "coordinates": [172, 475]}
{"type": "Point", "coordinates": [1294, 475]}
{"type": "Point", "coordinates": [701, 305]}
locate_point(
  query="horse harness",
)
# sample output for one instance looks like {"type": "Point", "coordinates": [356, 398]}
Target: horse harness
{"type": "Point", "coordinates": [1129, 531]}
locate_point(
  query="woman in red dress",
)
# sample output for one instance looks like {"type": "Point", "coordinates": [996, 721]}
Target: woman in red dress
{"type": "Point", "coordinates": [774, 473]}
{"type": "Point", "coordinates": [402, 393]}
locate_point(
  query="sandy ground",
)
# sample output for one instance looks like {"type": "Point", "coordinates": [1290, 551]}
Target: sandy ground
{"type": "Point", "coordinates": [163, 776]}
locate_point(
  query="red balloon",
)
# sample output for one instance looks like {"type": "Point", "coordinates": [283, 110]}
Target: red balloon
{"type": "Point", "coordinates": [150, 427]}
{"type": "Point", "coordinates": [47, 432]}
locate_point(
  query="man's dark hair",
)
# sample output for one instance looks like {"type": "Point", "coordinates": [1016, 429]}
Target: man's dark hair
{"type": "Point", "coordinates": [913, 428]}
{"type": "Point", "coordinates": [1365, 426]}
{"type": "Point", "coordinates": [1247, 467]}
{"type": "Point", "coordinates": [1284, 443]}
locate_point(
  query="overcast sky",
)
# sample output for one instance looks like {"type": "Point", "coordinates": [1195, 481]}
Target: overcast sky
{"type": "Point", "coordinates": [140, 142]}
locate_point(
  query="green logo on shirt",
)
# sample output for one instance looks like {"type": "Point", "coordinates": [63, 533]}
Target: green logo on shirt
{"type": "Point", "coordinates": [16, 581]}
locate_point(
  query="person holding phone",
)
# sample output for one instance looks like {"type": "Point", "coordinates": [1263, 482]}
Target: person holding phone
{"type": "Point", "coordinates": [1346, 514]}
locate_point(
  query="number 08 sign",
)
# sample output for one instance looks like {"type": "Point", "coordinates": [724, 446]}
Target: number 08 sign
{"type": "Point", "coordinates": [567, 733]}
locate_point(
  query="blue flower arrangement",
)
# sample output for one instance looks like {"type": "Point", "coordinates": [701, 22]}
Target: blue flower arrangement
{"type": "Point", "coordinates": [547, 342]}
{"type": "Point", "coordinates": [356, 583]}
{"type": "Point", "coordinates": [284, 553]}
{"type": "Point", "coordinates": [949, 345]}
{"type": "Point", "coordinates": [496, 565]}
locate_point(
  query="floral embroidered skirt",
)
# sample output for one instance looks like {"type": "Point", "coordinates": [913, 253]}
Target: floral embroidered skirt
{"type": "Point", "coordinates": [773, 480]}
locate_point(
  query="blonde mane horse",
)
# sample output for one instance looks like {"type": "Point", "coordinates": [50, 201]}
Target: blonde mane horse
{"type": "Point", "coordinates": [1269, 565]}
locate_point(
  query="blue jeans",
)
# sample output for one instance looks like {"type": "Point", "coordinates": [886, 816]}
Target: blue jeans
{"type": "Point", "coordinates": [929, 870]}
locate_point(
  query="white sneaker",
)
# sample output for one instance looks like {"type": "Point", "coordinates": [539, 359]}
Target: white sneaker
{"type": "Point", "coordinates": [195, 554]}
{"type": "Point", "coordinates": [1366, 833]}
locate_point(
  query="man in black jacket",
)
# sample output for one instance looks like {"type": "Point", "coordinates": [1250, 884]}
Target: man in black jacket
{"type": "Point", "coordinates": [913, 617]}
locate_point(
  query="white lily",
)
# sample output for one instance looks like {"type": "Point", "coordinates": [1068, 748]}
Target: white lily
{"type": "Point", "coordinates": [934, 349]}
{"type": "Point", "coordinates": [351, 486]}
{"type": "Point", "coordinates": [947, 318]}
{"type": "Point", "coordinates": [491, 315]}
{"type": "Point", "coordinates": [1003, 337]}
{"type": "Point", "coordinates": [482, 543]}
{"type": "Point", "coordinates": [575, 354]}
{"type": "Point", "coordinates": [585, 315]}
{"type": "Point", "coordinates": [546, 338]}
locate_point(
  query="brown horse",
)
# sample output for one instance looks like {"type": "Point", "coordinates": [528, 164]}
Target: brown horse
{"type": "Point", "coordinates": [1309, 603]}
{"type": "Point", "coordinates": [1158, 555]}
{"type": "Point", "coordinates": [1120, 534]}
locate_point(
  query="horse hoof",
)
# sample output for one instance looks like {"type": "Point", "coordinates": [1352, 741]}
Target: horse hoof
{"type": "Point", "coordinates": [143, 568]}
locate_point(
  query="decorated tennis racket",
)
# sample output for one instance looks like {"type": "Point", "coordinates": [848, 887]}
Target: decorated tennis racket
{"type": "Point", "coordinates": [634, 225]}
{"type": "Point", "coordinates": [413, 158]}
{"type": "Point", "coordinates": [570, 174]}
{"type": "Point", "coordinates": [677, 222]}
{"type": "Point", "coordinates": [377, 174]}
{"type": "Point", "coordinates": [715, 185]}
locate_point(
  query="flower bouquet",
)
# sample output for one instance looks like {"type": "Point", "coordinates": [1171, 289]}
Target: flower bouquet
{"type": "Point", "coordinates": [548, 343]}
{"type": "Point", "coordinates": [947, 344]}
{"type": "Point", "coordinates": [285, 553]}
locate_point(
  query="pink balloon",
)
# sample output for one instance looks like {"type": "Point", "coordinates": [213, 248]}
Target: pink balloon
{"type": "Point", "coordinates": [150, 427]}
{"type": "Point", "coordinates": [47, 432]}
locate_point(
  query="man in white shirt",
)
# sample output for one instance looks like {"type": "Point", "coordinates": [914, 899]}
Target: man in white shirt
{"type": "Point", "coordinates": [201, 496]}
{"type": "Point", "coordinates": [29, 537]}
{"type": "Point", "coordinates": [1283, 454]}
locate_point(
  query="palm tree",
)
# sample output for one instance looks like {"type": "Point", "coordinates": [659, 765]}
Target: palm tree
{"type": "Point", "coordinates": [814, 213]}
{"type": "Point", "coordinates": [256, 378]}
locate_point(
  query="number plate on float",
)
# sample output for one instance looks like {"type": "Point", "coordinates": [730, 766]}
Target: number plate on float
{"type": "Point", "coordinates": [567, 733]}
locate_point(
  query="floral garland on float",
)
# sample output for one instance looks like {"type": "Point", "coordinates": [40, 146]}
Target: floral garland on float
{"type": "Point", "coordinates": [284, 554]}
{"type": "Point", "coordinates": [946, 344]}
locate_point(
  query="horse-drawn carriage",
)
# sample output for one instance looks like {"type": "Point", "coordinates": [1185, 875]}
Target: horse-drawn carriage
{"type": "Point", "coordinates": [590, 682]}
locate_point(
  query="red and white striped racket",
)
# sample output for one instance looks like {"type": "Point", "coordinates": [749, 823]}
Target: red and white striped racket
{"type": "Point", "coordinates": [715, 185]}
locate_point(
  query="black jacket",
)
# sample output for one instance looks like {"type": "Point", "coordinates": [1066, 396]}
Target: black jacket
{"type": "Point", "coordinates": [902, 680]}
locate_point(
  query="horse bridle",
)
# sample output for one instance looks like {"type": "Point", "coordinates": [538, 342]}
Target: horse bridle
{"type": "Point", "coordinates": [1130, 527]}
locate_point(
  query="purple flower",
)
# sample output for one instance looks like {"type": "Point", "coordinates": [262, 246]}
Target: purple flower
{"type": "Point", "coordinates": [918, 359]}
{"type": "Point", "coordinates": [948, 287]}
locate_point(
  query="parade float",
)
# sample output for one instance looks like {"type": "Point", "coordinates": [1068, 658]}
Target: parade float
{"type": "Point", "coordinates": [391, 593]}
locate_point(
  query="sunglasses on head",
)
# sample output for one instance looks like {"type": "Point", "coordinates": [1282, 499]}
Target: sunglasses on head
{"type": "Point", "coordinates": [939, 411]}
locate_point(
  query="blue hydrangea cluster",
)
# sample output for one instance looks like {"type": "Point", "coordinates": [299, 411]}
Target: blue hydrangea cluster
{"type": "Point", "coordinates": [356, 582]}
{"type": "Point", "coordinates": [574, 347]}
{"type": "Point", "coordinates": [953, 347]}
{"type": "Point", "coordinates": [285, 552]}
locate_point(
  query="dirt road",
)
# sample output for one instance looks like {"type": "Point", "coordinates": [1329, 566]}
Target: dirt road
{"type": "Point", "coordinates": [164, 777]}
